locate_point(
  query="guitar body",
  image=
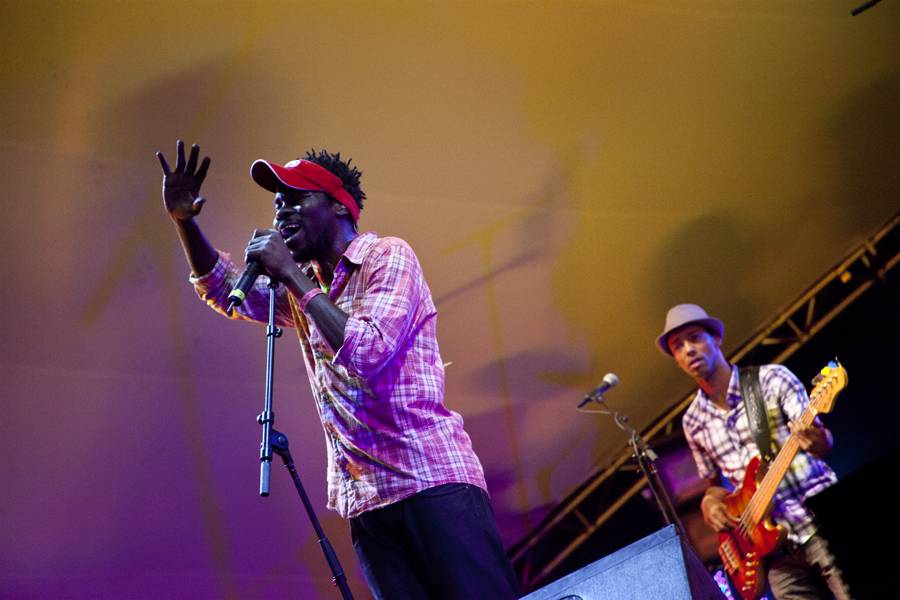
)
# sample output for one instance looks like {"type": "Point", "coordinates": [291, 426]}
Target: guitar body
{"type": "Point", "coordinates": [744, 552]}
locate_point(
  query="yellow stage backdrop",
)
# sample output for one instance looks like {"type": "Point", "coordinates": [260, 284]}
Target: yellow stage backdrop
{"type": "Point", "coordinates": [565, 171]}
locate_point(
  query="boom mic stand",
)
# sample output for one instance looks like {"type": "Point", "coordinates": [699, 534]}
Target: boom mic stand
{"type": "Point", "coordinates": [646, 460]}
{"type": "Point", "coordinates": [274, 440]}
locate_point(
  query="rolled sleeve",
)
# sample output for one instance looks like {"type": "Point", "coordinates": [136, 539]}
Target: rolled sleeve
{"type": "Point", "coordinates": [215, 287]}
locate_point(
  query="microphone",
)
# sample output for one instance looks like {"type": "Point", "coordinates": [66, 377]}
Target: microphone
{"type": "Point", "coordinates": [609, 382]}
{"type": "Point", "coordinates": [248, 277]}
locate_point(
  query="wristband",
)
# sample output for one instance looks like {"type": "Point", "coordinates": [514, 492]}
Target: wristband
{"type": "Point", "coordinates": [309, 296]}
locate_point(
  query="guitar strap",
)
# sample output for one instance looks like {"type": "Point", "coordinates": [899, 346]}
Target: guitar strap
{"type": "Point", "coordinates": [755, 407]}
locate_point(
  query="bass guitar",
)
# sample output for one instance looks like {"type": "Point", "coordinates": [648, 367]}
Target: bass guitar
{"type": "Point", "coordinates": [745, 548]}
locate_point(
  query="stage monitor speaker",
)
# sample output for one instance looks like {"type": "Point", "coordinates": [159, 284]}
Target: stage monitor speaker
{"type": "Point", "coordinates": [661, 565]}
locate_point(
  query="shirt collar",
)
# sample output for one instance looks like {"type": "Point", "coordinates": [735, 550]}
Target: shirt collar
{"type": "Point", "coordinates": [353, 254]}
{"type": "Point", "coordinates": [733, 395]}
{"type": "Point", "coordinates": [358, 247]}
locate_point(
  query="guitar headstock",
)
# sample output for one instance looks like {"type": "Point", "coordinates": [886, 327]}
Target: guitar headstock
{"type": "Point", "coordinates": [829, 382]}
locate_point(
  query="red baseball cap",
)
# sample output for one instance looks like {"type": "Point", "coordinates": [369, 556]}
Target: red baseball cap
{"type": "Point", "coordinates": [303, 175]}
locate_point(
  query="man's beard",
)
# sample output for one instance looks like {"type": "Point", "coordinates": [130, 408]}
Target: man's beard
{"type": "Point", "coordinates": [310, 250]}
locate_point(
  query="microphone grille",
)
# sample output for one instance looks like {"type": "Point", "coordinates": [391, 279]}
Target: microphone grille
{"type": "Point", "coordinates": [611, 379]}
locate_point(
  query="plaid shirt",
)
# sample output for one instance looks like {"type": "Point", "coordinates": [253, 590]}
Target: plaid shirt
{"type": "Point", "coordinates": [380, 395]}
{"type": "Point", "coordinates": [722, 440]}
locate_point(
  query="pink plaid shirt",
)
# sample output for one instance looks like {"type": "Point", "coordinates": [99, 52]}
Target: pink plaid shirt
{"type": "Point", "coordinates": [380, 395]}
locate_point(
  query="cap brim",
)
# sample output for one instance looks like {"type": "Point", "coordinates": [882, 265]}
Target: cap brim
{"type": "Point", "coordinates": [264, 174]}
{"type": "Point", "coordinates": [270, 176]}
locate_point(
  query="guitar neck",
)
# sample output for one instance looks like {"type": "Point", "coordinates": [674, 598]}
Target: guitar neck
{"type": "Point", "coordinates": [832, 380]}
{"type": "Point", "coordinates": [756, 509]}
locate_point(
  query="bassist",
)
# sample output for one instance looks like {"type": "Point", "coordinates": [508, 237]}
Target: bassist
{"type": "Point", "coordinates": [718, 432]}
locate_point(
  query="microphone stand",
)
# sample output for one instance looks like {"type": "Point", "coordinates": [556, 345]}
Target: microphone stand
{"type": "Point", "coordinates": [646, 459]}
{"type": "Point", "coordinates": [274, 440]}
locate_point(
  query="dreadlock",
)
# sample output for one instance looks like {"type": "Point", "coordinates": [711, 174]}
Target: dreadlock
{"type": "Point", "coordinates": [343, 171]}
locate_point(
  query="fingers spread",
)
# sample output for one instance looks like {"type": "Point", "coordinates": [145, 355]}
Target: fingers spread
{"type": "Point", "coordinates": [179, 163]}
{"type": "Point", "coordinates": [163, 163]}
{"type": "Point", "coordinates": [192, 161]}
{"type": "Point", "coordinates": [201, 172]}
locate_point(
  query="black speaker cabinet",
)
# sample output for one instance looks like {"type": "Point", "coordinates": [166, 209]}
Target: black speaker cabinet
{"type": "Point", "coordinates": [661, 565]}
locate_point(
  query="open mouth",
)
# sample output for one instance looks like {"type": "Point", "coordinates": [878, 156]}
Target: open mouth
{"type": "Point", "coordinates": [288, 230]}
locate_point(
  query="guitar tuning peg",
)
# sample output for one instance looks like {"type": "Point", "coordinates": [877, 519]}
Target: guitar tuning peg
{"type": "Point", "coordinates": [818, 379]}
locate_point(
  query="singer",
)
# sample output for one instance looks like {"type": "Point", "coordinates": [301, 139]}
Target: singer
{"type": "Point", "coordinates": [401, 467]}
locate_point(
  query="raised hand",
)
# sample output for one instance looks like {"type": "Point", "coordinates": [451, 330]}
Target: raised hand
{"type": "Point", "coordinates": [181, 187]}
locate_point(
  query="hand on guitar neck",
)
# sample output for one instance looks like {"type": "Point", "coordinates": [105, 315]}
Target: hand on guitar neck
{"type": "Point", "coordinates": [813, 439]}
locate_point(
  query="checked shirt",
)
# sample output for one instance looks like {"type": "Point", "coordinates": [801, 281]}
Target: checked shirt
{"type": "Point", "coordinates": [722, 440]}
{"type": "Point", "coordinates": [380, 396]}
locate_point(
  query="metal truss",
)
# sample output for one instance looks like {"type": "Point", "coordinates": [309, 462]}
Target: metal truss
{"type": "Point", "coordinates": [538, 557]}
